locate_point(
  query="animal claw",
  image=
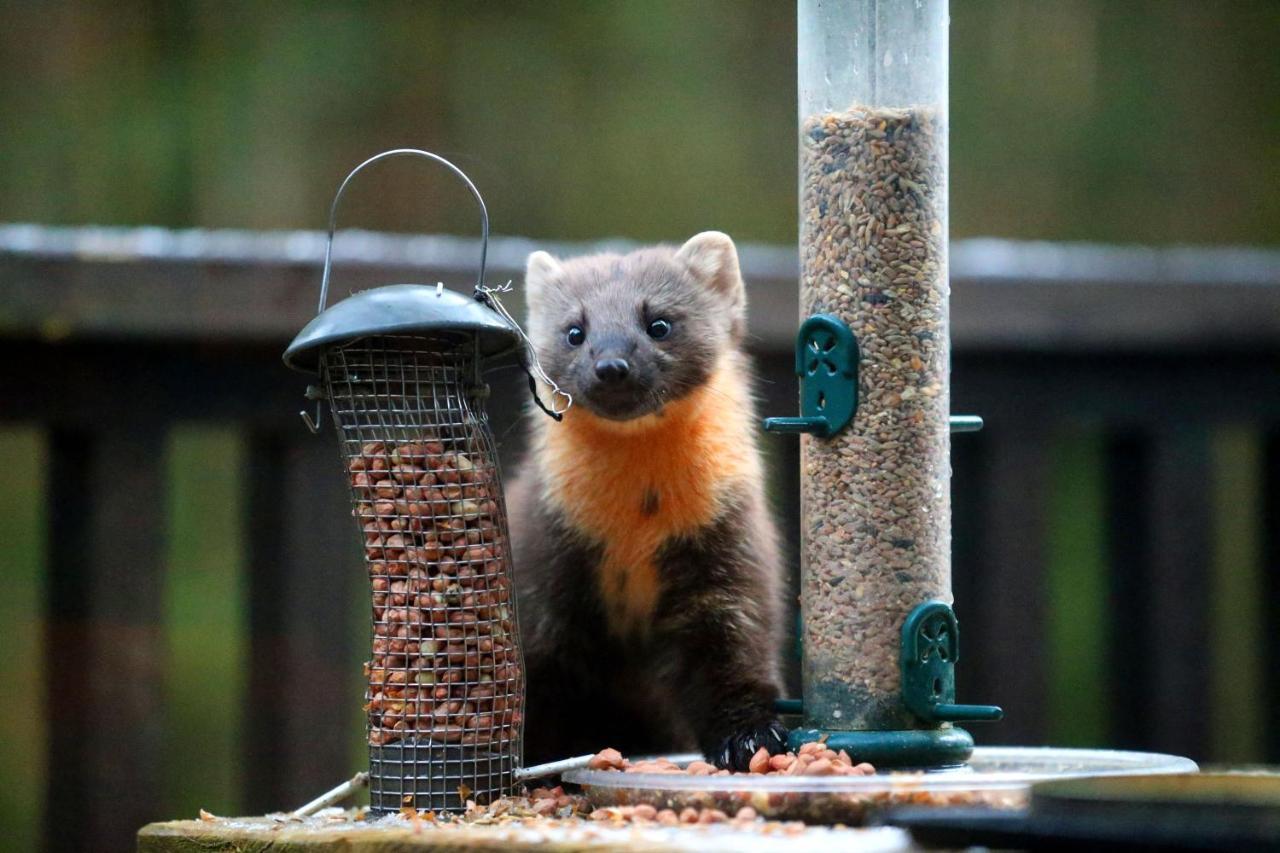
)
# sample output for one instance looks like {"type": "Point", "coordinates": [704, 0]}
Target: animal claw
{"type": "Point", "coordinates": [735, 751]}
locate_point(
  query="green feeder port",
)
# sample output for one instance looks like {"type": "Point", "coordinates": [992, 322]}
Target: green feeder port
{"type": "Point", "coordinates": [930, 649]}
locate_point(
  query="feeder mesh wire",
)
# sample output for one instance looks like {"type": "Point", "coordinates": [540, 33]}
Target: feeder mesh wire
{"type": "Point", "coordinates": [446, 685]}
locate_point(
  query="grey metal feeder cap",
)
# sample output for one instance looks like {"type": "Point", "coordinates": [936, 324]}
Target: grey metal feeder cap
{"type": "Point", "coordinates": [399, 309]}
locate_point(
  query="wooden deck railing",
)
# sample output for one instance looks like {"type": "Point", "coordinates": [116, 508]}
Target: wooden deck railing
{"type": "Point", "coordinates": [110, 337]}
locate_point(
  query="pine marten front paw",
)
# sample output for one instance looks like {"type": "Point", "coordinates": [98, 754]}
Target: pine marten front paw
{"type": "Point", "coordinates": [735, 751]}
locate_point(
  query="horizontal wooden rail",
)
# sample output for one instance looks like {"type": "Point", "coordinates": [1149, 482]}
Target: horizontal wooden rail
{"type": "Point", "coordinates": [241, 285]}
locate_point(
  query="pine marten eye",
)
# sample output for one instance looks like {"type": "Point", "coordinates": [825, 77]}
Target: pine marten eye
{"type": "Point", "coordinates": [575, 336]}
{"type": "Point", "coordinates": [659, 329]}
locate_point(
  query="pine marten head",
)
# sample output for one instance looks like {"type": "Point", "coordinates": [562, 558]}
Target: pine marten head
{"type": "Point", "coordinates": [627, 334]}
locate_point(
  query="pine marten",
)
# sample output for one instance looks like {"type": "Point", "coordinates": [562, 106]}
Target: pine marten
{"type": "Point", "coordinates": [647, 564]}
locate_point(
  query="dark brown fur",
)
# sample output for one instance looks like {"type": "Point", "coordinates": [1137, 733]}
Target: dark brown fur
{"type": "Point", "coordinates": [647, 565]}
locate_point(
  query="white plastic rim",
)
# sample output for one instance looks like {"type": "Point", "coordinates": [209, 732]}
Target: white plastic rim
{"type": "Point", "coordinates": [991, 768]}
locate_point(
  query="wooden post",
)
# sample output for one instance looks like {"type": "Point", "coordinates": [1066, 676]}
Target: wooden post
{"type": "Point", "coordinates": [1160, 551]}
{"type": "Point", "coordinates": [778, 389]}
{"type": "Point", "coordinates": [1003, 626]}
{"type": "Point", "coordinates": [303, 701]}
{"type": "Point", "coordinates": [1126, 537]}
{"type": "Point", "coordinates": [104, 652]}
{"type": "Point", "coordinates": [1177, 592]}
{"type": "Point", "coordinates": [1271, 595]}
{"type": "Point", "coordinates": [968, 454]}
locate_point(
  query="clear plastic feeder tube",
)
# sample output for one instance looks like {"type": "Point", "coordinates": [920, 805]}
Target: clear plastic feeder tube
{"type": "Point", "coordinates": [875, 498]}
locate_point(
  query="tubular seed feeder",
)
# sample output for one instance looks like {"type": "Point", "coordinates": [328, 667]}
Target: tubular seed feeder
{"type": "Point", "coordinates": [400, 367]}
{"type": "Point", "coordinates": [880, 639]}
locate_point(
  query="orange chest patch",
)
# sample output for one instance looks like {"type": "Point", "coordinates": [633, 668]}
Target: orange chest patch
{"type": "Point", "coordinates": [632, 489]}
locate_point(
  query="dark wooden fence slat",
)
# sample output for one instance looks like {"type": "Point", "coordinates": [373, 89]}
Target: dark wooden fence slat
{"type": "Point", "coordinates": [1178, 585]}
{"type": "Point", "coordinates": [968, 461]}
{"type": "Point", "coordinates": [1003, 625]}
{"type": "Point", "coordinates": [1270, 650]}
{"type": "Point", "coordinates": [1160, 518]}
{"type": "Point", "coordinates": [778, 393]}
{"type": "Point", "coordinates": [304, 566]}
{"type": "Point", "coordinates": [104, 648]}
{"type": "Point", "coordinates": [1127, 535]}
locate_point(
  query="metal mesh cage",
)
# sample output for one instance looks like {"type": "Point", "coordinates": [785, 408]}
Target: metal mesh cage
{"type": "Point", "coordinates": [445, 678]}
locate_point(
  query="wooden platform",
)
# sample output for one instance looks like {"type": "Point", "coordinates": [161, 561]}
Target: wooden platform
{"type": "Point", "coordinates": [391, 835]}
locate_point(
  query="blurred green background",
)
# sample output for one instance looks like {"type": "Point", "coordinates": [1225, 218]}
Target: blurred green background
{"type": "Point", "coordinates": [1113, 120]}
{"type": "Point", "coordinates": [1154, 121]}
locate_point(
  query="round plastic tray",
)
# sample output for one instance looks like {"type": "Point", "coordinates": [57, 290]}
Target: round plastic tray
{"type": "Point", "coordinates": [995, 777]}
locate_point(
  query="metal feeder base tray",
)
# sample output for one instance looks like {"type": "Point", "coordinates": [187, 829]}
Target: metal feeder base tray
{"type": "Point", "coordinates": [995, 777]}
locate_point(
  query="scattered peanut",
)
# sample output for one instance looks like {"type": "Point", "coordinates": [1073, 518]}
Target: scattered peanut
{"type": "Point", "coordinates": [606, 759]}
{"type": "Point", "coordinates": [820, 767]}
{"type": "Point", "coordinates": [546, 808]}
{"type": "Point", "coordinates": [813, 759]}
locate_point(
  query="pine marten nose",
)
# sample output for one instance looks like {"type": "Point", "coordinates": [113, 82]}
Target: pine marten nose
{"type": "Point", "coordinates": [612, 369]}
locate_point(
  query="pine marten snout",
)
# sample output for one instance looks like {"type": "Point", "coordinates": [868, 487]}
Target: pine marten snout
{"type": "Point", "coordinates": [647, 565]}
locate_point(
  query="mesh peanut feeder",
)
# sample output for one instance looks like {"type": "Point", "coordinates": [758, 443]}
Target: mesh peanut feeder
{"type": "Point", "coordinates": [400, 367]}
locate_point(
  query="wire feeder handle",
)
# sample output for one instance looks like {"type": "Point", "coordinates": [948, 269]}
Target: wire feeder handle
{"type": "Point", "coordinates": [487, 295]}
{"type": "Point", "coordinates": [417, 152]}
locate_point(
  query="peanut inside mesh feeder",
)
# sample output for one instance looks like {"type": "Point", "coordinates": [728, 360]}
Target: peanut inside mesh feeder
{"type": "Point", "coordinates": [400, 369]}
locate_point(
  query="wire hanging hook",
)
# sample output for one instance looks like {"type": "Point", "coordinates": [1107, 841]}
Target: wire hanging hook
{"type": "Point", "coordinates": [532, 366]}
{"type": "Point", "coordinates": [314, 392]}
{"type": "Point", "coordinates": [313, 424]}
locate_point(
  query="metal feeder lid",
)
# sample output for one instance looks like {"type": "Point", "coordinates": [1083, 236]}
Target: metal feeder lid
{"type": "Point", "coordinates": [400, 309]}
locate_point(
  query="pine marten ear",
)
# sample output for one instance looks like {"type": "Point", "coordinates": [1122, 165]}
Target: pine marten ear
{"type": "Point", "coordinates": [541, 268]}
{"type": "Point", "coordinates": [712, 259]}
